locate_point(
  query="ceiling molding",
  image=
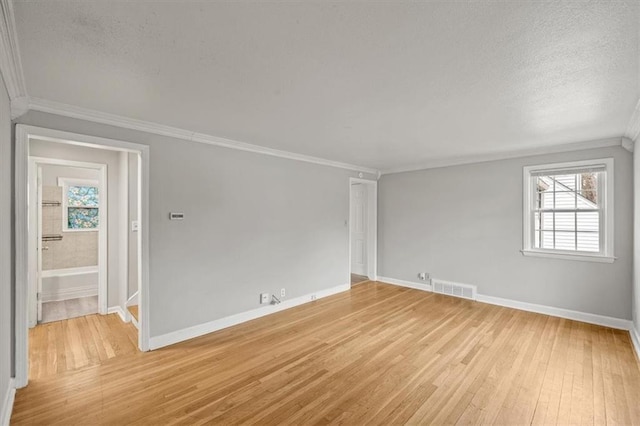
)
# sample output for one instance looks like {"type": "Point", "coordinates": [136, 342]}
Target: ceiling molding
{"type": "Point", "coordinates": [504, 155]}
{"type": "Point", "coordinates": [43, 105]}
{"type": "Point", "coordinates": [633, 128]}
{"type": "Point", "coordinates": [19, 106]}
{"type": "Point", "coordinates": [10, 63]}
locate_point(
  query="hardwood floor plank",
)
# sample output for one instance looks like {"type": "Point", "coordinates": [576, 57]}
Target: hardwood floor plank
{"type": "Point", "coordinates": [378, 354]}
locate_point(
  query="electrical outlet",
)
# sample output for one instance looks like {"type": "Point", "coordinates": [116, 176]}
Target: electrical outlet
{"type": "Point", "coordinates": [264, 298]}
{"type": "Point", "coordinates": [283, 293]}
{"type": "Point", "coordinates": [424, 276]}
{"type": "Point", "coordinates": [313, 297]}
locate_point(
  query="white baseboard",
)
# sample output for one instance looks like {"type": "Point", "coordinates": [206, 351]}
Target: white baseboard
{"type": "Point", "coordinates": [7, 403]}
{"type": "Point", "coordinates": [118, 310]}
{"type": "Point", "coordinates": [635, 339]}
{"type": "Point", "coordinates": [70, 293]}
{"type": "Point", "coordinates": [408, 284]}
{"type": "Point", "coordinates": [163, 340]}
{"type": "Point", "coordinates": [618, 323]}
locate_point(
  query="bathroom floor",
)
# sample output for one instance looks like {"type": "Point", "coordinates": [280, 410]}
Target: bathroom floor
{"type": "Point", "coordinates": [72, 308]}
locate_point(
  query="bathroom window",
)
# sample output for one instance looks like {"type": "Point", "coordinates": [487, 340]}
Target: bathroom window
{"type": "Point", "coordinates": [81, 204]}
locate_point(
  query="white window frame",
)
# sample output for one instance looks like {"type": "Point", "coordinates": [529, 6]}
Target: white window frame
{"type": "Point", "coordinates": [65, 183]}
{"type": "Point", "coordinates": [605, 193]}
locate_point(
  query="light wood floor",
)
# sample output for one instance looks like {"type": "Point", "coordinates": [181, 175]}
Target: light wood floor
{"type": "Point", "coordinates": [357, 279]}
{"type": "Point", "coordinates": [77, 343]}
{"type": "Point", "coordinates": [378, 354]}
{"type": "Point", "coordinates": [133, 310]}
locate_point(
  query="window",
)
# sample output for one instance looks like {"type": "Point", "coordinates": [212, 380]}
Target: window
{"type": "Point", "coordinates": [568, 210]}
{"type": "Point", "coordinates": [81, 204]}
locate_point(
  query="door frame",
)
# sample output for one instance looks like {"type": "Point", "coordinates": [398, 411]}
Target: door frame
{"type": "Point", "coordinates": [34, 164]}
{"type": "Point", "coordinates": [372, 226]}
{"type": "Point", "coordinates": [23, 134]}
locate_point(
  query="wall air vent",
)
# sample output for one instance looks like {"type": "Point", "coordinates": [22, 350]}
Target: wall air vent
{"type": "Point", "coordinates": [464, 291]}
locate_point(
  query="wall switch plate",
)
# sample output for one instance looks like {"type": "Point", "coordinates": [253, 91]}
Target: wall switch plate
{"type": "Point", "coordinates": [135, 225]}
{"type": "Point", "coordinates": [283, 293]}
{"type": "Point", "coordinates": [176, 216]}
{"type": "Point", "coordinates": [264, 298]}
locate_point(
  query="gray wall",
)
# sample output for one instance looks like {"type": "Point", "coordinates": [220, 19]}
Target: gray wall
{"type": "Point", "coordinates": [464, 224]}
{"type": "Point", "coordinates": [6, 258]}
{"type": "Point", "coordinates": [51, 173]}
{"type": "Point", "coordinates": [112, 160]}
{"type": "Point", "coordinates": [254, 223]}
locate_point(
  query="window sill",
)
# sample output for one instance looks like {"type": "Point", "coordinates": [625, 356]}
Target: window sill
{"type": "Point", "coordinates": [569, 256]}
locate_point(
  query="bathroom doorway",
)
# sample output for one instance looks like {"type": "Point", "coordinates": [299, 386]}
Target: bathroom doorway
{"type": "Point", "coordinates": [70, 199]}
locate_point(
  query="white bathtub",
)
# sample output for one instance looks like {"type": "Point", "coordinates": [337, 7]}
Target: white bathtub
{"type": "Point", "coordinates": [71, 283]}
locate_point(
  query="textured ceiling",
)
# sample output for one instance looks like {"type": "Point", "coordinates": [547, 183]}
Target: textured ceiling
{"type": "Point", "coordinates": [377, 84]}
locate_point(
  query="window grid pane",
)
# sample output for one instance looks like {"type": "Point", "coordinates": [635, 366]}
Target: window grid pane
{"type": "Point", "coordinates": [567, 215]}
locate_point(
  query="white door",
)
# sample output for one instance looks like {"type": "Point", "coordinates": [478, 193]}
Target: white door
{"type": "Point", "coordinates": [358, 229]}
{"type": "Point", "coordinates": [40, 246]}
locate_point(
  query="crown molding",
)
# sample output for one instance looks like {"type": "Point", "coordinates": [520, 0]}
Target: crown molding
{"type": "Point", "coordinates": [43, 105]}
{"type": "Point", "coordinates": [504, 155]}
{"type": "Point", "coordinates": [633, 128]}
{"type": "Point", "coordinates": [10, 64]}
{"type": "Point", "coordinates": [19, 106]}
{"type": "Point", "coordinates": [627, 144]}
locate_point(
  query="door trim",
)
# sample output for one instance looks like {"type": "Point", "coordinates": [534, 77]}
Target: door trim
{"type": "Point", "coordinates": [372, 226]}
{"type": "Point", "coordinates": [23, 134]}
{"type": "Point", "coordinates": [102, 231]}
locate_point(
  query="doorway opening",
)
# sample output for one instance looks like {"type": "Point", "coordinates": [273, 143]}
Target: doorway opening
{"type": "Point", "coordinates": [363, 201]}
{"type": "Point", "coordinates": [81, 250]}
{"type": "Point", "coordinates": [67, 252]}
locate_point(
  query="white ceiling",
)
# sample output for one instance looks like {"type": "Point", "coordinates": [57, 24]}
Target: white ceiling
{"type": "Point", "coordinates": [377, 84]}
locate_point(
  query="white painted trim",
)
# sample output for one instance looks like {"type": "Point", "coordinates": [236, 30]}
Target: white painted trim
{"type": "Point", "coordinates": [123, 231]}
{"type": "Point", "coordinates": [66, 272]}
{"type": "Point", "coordinates": [173, 337]}
{"type": "Point", "coordinates": [569, 256]}
{"type": "Point", "coordinates": [618, 323]}
{"type": "Point", "coordinates": [635, 340]}
{"type": "Point", "coordinates": [72, 111]}
{"type": "Point", "coordinates": [118, 310]}
{"type": "Point", "coordinates": [606, 210]}
{"type": "Point", "coordinates": [22, 263]}
{"type": "Point", "coordinates": [372, 226]}
{"type": "Point", "coordinates": [70, 293]}
{"type": "Point", "coordinates": [10, 62]}
{"type": "Point", "coordinates": [504, 155]}
{"type": "Point", "coordinates": [628, 144]}
{"type": "Point", "coordinates": [633, 128]}
{"type": "Point", "coordinates": [408, 284]}
{"type": "Point", "coordinates": [23, 134]}
{"type": "Point", "coordinates": [7, 403]}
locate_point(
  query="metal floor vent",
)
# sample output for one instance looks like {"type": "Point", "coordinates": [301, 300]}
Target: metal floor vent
{"type": "Point", "coordinates": [465, 291]}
